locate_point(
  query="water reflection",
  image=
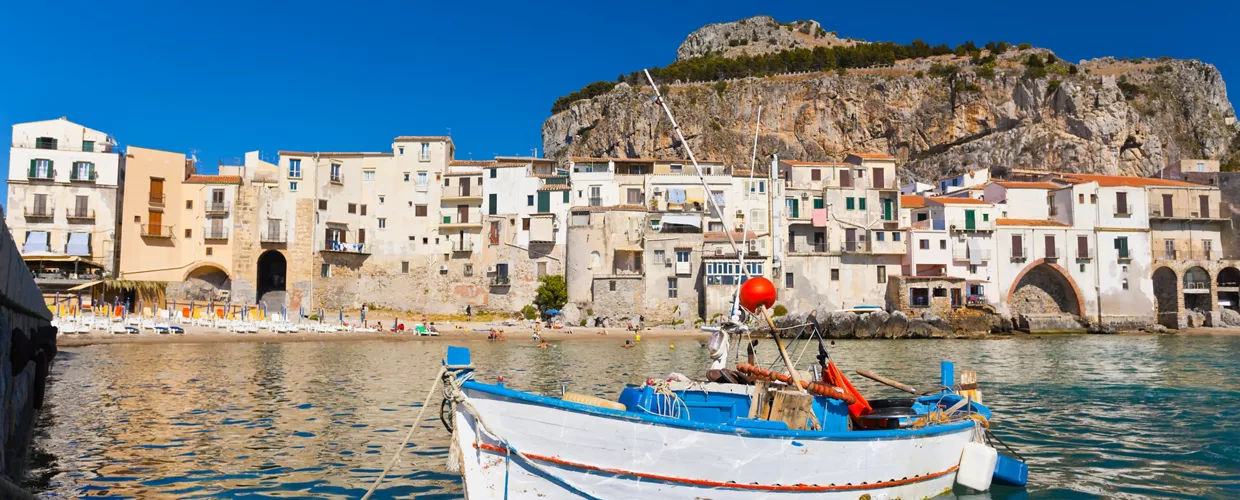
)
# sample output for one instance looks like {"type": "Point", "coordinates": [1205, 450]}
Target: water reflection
{"type": "Point", "coordinates": [1107, 416]}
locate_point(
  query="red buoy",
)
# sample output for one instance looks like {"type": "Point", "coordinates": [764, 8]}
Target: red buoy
{"type": "Point", "coordinates": [757, 291]}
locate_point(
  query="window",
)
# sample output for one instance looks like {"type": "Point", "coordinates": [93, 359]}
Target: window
{"type": "Point", "coordinates": [325, 271]}
{"type": "Point", "coordinates": [879, 235]}
{"type": "Point", "coordinates": [1080, 198]}
{"type": "Point", "coordinates": [426, 152]}
{"type": "Point", "coordinates": [1121, 204]}
{"type": "Point", "coordinates": [406, 176]}
{"type": "Point", "coordinates": [209, 251]}
{"type": "Point", "coordinates": [492, 172]}
{"type": "Point", "coordinates": [292, 187]}
{"type": "Point", "coordinates": [468, 270]}
{"type": "Point", "coordinates": [404, 267]}
{"type": "Point", "coordinates": [189, 233]}
{"type": "Point", "coordinates": [682, 256]}
{"type": "Point", "coordinates": [381, 199]}
{"type": "Point", "coordinates": [401, 150]}
{"type": "Point", "coordinates": [1018, 247]}
{"type": "Point", "coordinates": [919, 297]}
{"type": "Point", "coordinates": [425, 240]}
{"type": "Point", "coordinates": [660, 257]}
{"type": "Point", "coordinates": [83, 171]}
{"type": "Point", "coordinates": [789, 278]}
{"type": "Point", "coordinates": [923, 244]}
{"type": "Point", "coordinates": [368, 175]}
{"type": "Point", "coordinates": [835, 275]}
{"type": "Point", "coordinates": [1121, 245]}
{"type": "Point", "coordinates": [1093, 199]}
{"type": "Point", "coordinates": [529, 200]}
{"type": "Point", "coordinates": [611, 285]}
{"type": "Point", "coordinates": [419, 211]}
{"type": "Point", "coordinates": [972, 268]}
{"type": "Point", "coordinates": [815, 175]}
{"type": "Point", "coordinates": [423, 180]}
{"type": "Point", "coordinates": [882, 274]}
{"type": "Point", "coordinates": [45, 143]}
{"type": "Point", "coordinates": [895, 236]}
{"type": "Point", "coordinates": [322, 204]}
{"type": "Point", "coordinates": [673, 288]}
{"type": "Point", "coordinates": [566, 196]}
{"type": "Point", "coordinates": [985, 217]}
{"type": "Point", "coordinates": [335, 173]}
{"type": "Point", "coordinates": [940, 292]}
{"type": "Point", "coordinates": [540, 270]}
{"type": "Point", "coordinates": [677, 168]}
{"type": "Point", "coordinates": [942, 244]}
{"type": "Point", "coordinates": [525, 224]}
{"type": "Point", "coordinates": [448, 181]}
{"type": "Point", "coordinates": [89, 147]}
{"type": "Point", "coordinates": [294, 169]}
{"type": "Point", "coordinates": [714, 227]}
{"type": "Point", "coordinates": [189, 204]}
{"type": "Point", "coordinates": [850, 203]}
{"type": "Point", "coordinates": [1125, 283]}
{"type": "Point", "coordinates": [382, 223]}
{"type": "Point", "coordinates": [352, 208]}
{"type": "Point", "coordinates": [861, 203]}
{"type": "Point", "coordinates": [363, 209]}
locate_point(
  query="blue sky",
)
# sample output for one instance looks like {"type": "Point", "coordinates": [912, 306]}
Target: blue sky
{"type": "Point", "coordinates": [221, 78]}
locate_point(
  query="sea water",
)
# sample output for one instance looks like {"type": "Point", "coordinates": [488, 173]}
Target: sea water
{"type": "Point", "coordinates": [1095, 416]}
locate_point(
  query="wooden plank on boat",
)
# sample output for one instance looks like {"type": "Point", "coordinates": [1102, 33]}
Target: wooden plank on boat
{"type": "Point", "coordinates": [793, 408]}
{"type": "Point", "coordinates": [758, 407]}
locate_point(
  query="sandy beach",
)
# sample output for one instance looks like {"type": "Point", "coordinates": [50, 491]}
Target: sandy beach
{"type": "Point", "coordinates": [447, 332]}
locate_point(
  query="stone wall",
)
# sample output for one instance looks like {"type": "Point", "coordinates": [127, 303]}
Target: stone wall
{"type": "Point", "coordinates": [301, 260]}
{"type": "Point", "coordinates": [245, 244]}
{"type": "Point", "coordinates": [623, 302]}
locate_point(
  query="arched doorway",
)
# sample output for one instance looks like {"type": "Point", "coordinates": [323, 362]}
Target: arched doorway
{"type": "Point", "coordinates": [272, 270]}
{"type": "Point", "coordinates": [1165, 292]}
{"type": "Point", "coordinates": [1044, 288]}
{"type": "Point", "coordinates": [1197, 289]}
{"type": "Point", "coordinates": [205, 282]}
{"type": "Point", "coordinates": [1229, 288]}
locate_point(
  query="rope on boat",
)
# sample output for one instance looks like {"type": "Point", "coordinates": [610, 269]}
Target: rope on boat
{"type": "Point", "coordinates": [409, 435]}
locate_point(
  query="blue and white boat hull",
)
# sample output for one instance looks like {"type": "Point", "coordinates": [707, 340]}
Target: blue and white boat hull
{"type": "Point", "coordinates": [578, 451]}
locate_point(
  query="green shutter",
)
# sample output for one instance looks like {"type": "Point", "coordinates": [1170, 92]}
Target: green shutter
{"type": "Point", "coordinates": [848, 203]}
{"type": "Point", "coordinates": [31, 174]}
{"type": "Point", "coordinates": [861, 203]}
{"type": "Point", "coordinates": [492, 202]}
{"type": "Point", "coordinates": [544, 201]}
{"type": "Point", "coordinates": [817, 203]}
{"type": "Point", "coordinates": [796, 208]}
{"type": "Point", "coordinates": [566, 196]}
{"type": "Point", "coordinates": [92, 171]}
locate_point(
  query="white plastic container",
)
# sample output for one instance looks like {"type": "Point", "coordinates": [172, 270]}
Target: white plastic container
{"type": "Point", "coordinates": [977, 466]}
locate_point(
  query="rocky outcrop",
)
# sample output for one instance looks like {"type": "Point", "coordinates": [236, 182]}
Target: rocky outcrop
{"type": "Point", "coordinates": [1105, 116]}
{"type": "Point", "coordinates": [757, 35]}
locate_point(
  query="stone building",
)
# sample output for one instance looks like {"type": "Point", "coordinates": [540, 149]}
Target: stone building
{"type": "Point", "coordinates": [526, 205]}
{"type": "Point", "coordinates": [952, 238]}
{"type": "Point", "coordinates": [176, 225]}
{"type": "Point", "coordinates": [64, 192]}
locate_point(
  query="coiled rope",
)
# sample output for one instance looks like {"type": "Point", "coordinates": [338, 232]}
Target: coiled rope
{"type": "Point", "coordinates": [408, 436]}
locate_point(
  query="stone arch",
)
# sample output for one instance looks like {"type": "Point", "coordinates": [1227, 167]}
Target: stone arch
{"type": "Point", "coordinates": [1166, 290]}
{"type": "Point", "coordinates": [1045, 287]}
{"type": "Point", "coordinates": [1197, 289]}
{"type": "Point", "coordinates": [272, 277]}
{"type": "Point", "coordinates": [208, 270]}
{"type": "Point", "coordinates": [203, 281]}
{"type": "Point", "coordinates": [1228, 285]}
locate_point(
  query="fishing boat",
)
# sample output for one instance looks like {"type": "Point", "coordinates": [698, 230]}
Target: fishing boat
{"type": "Point", "coordinates": [744, 432]}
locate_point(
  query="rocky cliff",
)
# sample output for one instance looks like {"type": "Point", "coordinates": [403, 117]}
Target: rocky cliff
{"type": "Point", "coordinates": [757, 35]}
{"type": "Point", "coordinates": [938, 115]}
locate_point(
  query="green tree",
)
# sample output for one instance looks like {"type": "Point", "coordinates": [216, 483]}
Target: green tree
{"type": "Point", "coordinates": [552, 292]}
{"type": "Point", "coordinates": [529, 312]}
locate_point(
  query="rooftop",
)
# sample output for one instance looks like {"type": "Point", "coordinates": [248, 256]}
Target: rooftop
{"type": "Point", "coordinates": [213, 179]}
{"type": "Point", "coordinates": [953, 200]}
{"type": "Point", "coordinates": [423, 138]}
{"type": "Point", "coordinates": [795, 163]}
{"type": "Point", "coordinates": [722, 237]}
{"type": "Point", "coordinates": [1027, 185]}
{"type": "Point", "coordinates": [1123, 181]}
{"type": "Point", "coordinates": [873, 156]}
{"type": "Point", "coordinates": [912, 201]}
{"type": "Point", "coordinates": [332, 153]}
{"type": "Point", "coordinates": [470, 163]}
{"type": "Point", "coordinates": [1029, 222]}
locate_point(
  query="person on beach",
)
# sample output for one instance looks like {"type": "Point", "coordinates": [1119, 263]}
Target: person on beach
{"type": "Point", "coordinates": [469, 312]}
{"type": "Point", "coordinates": [628, 344]}
{"type": "Point", "coordinates": [544, 345]}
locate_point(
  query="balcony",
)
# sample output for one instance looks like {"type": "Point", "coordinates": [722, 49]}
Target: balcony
{"type": "Point", "coordinates": [77, 175]}
{"type": "Point", "coordinates": [1052, 253]}
{"type": "Point", "coordinates": [336, 179]}
{"type": "Point", "coordinates": [596, 201]}
{"type": "Point", "coordinates": [966, 225]}
{"type": "Point", "coordinates": [1085, 254]}
{"type": "Point", "coordinates": [458, 222]}
{"type": "Point", "coordinates": [274, 234]}
{"type": "Point", "coordinates": [40, 212]}
{"type": "Point", "coordinates": [157, 198]}
{"type": "Point", "coordinates": [1020, 253]}
{"type": "Point", "coordinates": [217, 207]}
{"type": "Point", "coordinates": [86, 147]}
{"type": "Point", "coordinates": [156, 231]}
{"type": "Point", "coordinates": [1181, 213]}
{"type": "Point", "coordinates": [807, 247]}
{"type": "Point", "coordinates": [961, 252]}
{"type": "Point", "coordinates": [853, 246]}
{"type": "Point", "coordinates": [500, 280]}
{"type": "Point", "coordinates": [463, 245]}
{"type": "Point", "coordinates": [338, 247]}
{"type": "Point", "coordinates": [456, 193]}
{"type": "Point", "coordinates": [1191, 286]}
{"type": "Point", "coordinates": [215, 233]}
{"type": "Point", "coordinates": [79, 215]}
{"type": "Point", "coordinates": [1123, 209]}
{"type": "Point", "coordinates": [1177, 254]}
{"type": "Point", "coordinates": [424, 156]}
{"type": "Point", "coordinates": [41, 174]}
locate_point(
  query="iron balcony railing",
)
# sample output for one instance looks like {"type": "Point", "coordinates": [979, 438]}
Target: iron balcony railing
{"type": "Point", "coordinates": [596, 201]}
{"type": "Point", "coordinates": [41, 174]}
{"type": "Point", "coordinates": [1123, 209]}
{"type": "Point", "coordinates": [76, 175]}
{"type": "Point", "coordinates": [215, 233]}
{"type": "Point", "coordinates": [500, 280]}
{"type": "Point", "coordinates": [463, 246]}
{"type": "Point", "coordinates": [273, 235]}
{"type": "Point", "coordinates": [82, 214]}
{"type": "Point", "coordinates": [217, 207]}
{"type": "Point", "coordinates": [157, 198]}
{"type": "Point", "coordinates": [97, 147]}
{"type": "Point", "coordinates": [156, 231]}
{"type": "Point", "coordinates": [40, 211]}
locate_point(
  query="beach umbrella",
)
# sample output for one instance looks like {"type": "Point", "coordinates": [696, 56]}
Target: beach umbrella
{"type": "Point", "coordinates": [395, 323]}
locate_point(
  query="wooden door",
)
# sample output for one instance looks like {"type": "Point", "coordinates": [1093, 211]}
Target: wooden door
{"type": "Point", "coordinates": [462, 214]}
{"type": "Point", "coordinates": [956, 302]}
{"type": "Point", "coordinates": [1205, 207]}
{"type": "Point", "coordinates": [970, 220]}
{"type": "Point", "coordinates": [850, 240]}
{"type": "Point", "coordinates": [878, 178]}
{"type": "Point", "coordinates": [155, 222]}
{"type": "Point", "coordinates": [1167, 205]}
{"type": "Point", "coordinates": [464, 187]}
{"type": "Point", "coordinates": [846, 178]}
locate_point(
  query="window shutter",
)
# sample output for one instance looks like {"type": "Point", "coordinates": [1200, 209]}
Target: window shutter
{"type": "Point", "coordinates": [92, 171]}
{"type": "Point", "coordinates": [31, 168]}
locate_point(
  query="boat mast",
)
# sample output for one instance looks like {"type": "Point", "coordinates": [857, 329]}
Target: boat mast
{"type": "Point", "coordinates": [740, 255]}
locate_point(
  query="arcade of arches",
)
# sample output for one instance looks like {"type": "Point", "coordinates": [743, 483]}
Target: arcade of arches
{"type": "Point", "coordinates": [1202, 290]}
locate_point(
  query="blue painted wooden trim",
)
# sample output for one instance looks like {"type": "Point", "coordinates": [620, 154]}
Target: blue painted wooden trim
{"type": "Point", "coordinates": [859, 435]}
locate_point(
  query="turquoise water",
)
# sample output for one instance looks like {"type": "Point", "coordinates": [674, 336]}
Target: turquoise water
{"type": "Point", "coordinates": [1097, 416]}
